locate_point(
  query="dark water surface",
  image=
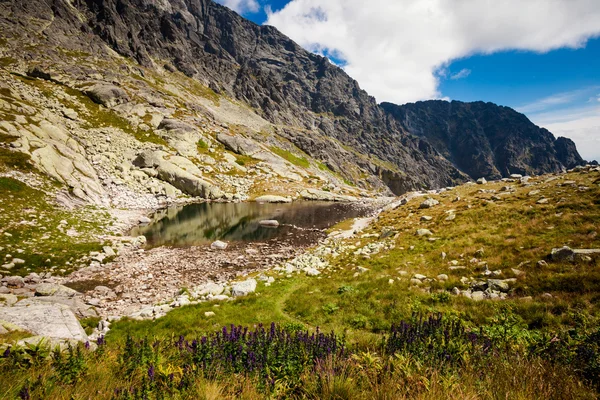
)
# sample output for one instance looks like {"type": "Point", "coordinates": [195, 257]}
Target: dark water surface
{"type": "Point", "coordinates": [194, 224]}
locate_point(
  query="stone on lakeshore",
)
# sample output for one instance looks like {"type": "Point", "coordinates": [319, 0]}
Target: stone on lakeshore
{"type": "Point", "coordinates": [243, 288]}
{"type": "Point", "coordinates": [269, 223]}
{"type": "Point", "coordinates": [218, 245]}
{"type": "Point", "coordinates": [273, 199]}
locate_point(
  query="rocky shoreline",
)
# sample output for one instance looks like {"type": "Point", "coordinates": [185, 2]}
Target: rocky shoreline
{"type": "Point", "coordinates": [127, 280]}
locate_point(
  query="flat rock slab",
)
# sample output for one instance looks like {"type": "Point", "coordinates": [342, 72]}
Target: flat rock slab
{"type": "Point", "coordinates": [53, 321]}
{"type": "Point", "coordinates": [79, 308]}
{"type": "Point", "coordinates": [321, 195]}
{"type": "Point", "coordinates": [243, 288]}
{"type": "Point", "coordinates": [53, 289]}
{"type": "Point", "coordinates": [273, 199]}
{"type": "Point", "coordinates": [269, 223]}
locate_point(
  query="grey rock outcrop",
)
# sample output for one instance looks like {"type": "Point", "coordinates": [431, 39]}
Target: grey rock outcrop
{"type": "Point", "coordinates": [52, 320]}
{"type": "Point", "coordinates": [243, 288]}
{"type": "Point", "coordinates": [179, 172]}
{"type": "Point", "coordinates": [107, 95]}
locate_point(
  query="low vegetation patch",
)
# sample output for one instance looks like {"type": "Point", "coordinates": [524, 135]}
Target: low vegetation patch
{"type": "Point", "coordinates": [297, 161]}
{"type": "Point", "coordinates": [428, 356]}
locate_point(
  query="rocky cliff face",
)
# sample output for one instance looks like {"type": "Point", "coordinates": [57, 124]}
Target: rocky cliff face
{"type": "Point", "coordinates": [486, 140]}
{"type": "Point", "coordinates": [187, 72]}
{"type": "Point", "coordinates": [309, 102]}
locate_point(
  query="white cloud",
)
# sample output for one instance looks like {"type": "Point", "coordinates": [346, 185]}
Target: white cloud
{"type": "Point", "coordinates": [241, 6]}
{"type": "Point", "coordinates": [463, 73]}
{"type": "Point", "coordinates": [582, 125]}
{"type": "Point", "coordinates": [396, 49]}
{"type": "Point", "coordinates": [558, 99]}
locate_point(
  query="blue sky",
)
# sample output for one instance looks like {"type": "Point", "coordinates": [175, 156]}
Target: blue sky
{"type": "Point", "coordinates": [542, 59]}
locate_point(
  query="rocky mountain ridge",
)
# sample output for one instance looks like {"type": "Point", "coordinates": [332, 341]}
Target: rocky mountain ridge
{"type": "Point", "coordinates": [486, 140]}
{"type": "Point", "coordinates": [188, 98]}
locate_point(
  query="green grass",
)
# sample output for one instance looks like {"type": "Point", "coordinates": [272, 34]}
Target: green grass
{"type": "Point", "coordinates": [31, 219]}
{"type": "Point", "coordinates": [297, 161]}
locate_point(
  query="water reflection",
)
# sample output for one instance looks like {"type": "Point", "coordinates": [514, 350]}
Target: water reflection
{"type": "Point", "coordinates": [194, 224]}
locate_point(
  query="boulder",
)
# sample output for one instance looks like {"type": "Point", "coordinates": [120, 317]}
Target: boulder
{"type": "Point", "coordinates": [321, 195]}
{"type": "Point", "coordinates": [8, 299]}
{"type": "Point", "coordinates": [239, 144]}
{"type": "Point", "coordinates": [170, 124]}
{"type": "Point", "coordinates": [562, 254]}
{"type": "Point", "coordinates": [498, 285]}
{"type": "Point", "coordinates": [14, 282]}
{"type": "Point", "coordinates": [273, 199]}
{"type": "Point", "coordinates": [218, 245]}
{"type": "Point", "coordinates": [424, 232]}
{"type": "Point", "coordinates": [269, 223]}
{"type": "Point", "coordinates": [75, 304]}
{"type": "Point", "coordinates": [179, 172]}
{"type": "Point", "coordinates": [243, 288]}
{"type": "Point", "coordinates": [478, 296]}
{"type": "Point", "coordinates": [212, 288]}
{"type": "Point", "coordinates": [52, 320]}
{"type": "Point", "coordinates": [107, 95]}
{"type": "Point", "coordinates": [481, 181]}
{"type": "Point", "coordinates": [429, 203]}
{"type": "Point", "coordinates": [53, 289]}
